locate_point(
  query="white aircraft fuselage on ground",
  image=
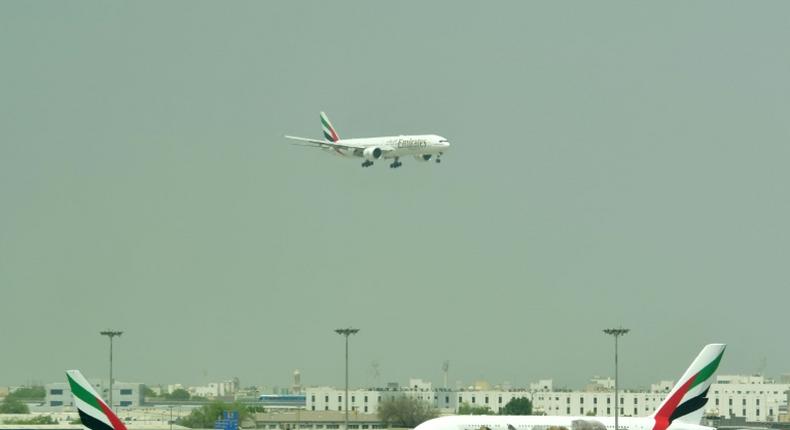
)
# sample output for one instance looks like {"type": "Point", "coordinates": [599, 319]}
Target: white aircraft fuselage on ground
{"type": "Point", "coordinates": [423, 147]}
{"type": "Point", "coordinates": [682, 409]}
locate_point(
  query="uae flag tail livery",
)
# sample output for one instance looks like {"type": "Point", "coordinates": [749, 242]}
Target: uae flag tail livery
{"type": "Point", "coordinates": [330, 133]}
{"type": "Point", "coordinates": [94, 413]}
{"type": "Point", "coordinates": [685, 402]}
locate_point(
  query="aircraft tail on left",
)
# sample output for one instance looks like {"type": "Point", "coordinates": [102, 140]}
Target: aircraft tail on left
{"type": "Point", "coordinates": [94, 413]}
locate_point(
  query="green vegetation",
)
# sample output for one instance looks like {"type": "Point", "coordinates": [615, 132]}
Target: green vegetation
{"type": "Point", "coordinates": [13, 406]}
{"type": "Point", "coordinates": [205, 416]}
{"type": "Point", "coordinates": [28, 393]}
{"type": "Point", "coordinates": [467, 409]}
{"type": "Point", "coordinates": [40, 419]}
{"type": "Point", "coordinates": [148, 392]}
{"type": "Point", "coordinates": [518, 406]}
{"type": "Point", "coordinates": [406, 411]}
{"type": "Point", "coordinates": [179, 394]}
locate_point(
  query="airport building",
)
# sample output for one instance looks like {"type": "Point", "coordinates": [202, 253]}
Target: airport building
{"type": "Point", "coordinates": [753, 398]}
{"type": "Point", "coordinates": [124, 394]}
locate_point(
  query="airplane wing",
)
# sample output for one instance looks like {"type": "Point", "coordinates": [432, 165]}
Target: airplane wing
{"type": "Point", "coordinates": [317, 143]}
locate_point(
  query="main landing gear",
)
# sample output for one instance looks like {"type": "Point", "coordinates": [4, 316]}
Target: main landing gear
{"type": "Point", "coordinates": [438, 157]}
{"type": "Point", "coordinates": [367, 163]}
{"type": "Point", "coordinates": [395, 164]}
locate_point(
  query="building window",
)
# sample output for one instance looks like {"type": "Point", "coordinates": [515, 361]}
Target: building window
{"type": "Point", "coordinates": [500, 399]}
{"type": "Point", "coordinates": [634, 400]}
{"type": "Point", "coordinates": [56, 391]}
{"type": "Point", "coordinates": [473, 399]}
{"type": "Point", "coordinates": [312, 408]}
{"type": "Point", "coordinates": [446, 399]}
{"type": "Point", "coordinates": [56, 403]}
{"type": "Point", "coordinates": [730, 402]}
{"type": "Point", "coordinates": [326, 399]}
{"type": "Point", "coordinates": [366, 408]}
{"type": "Point", "coordinates": [758, 403]}
{"type": "Point", "coordinates": [486, 399]}
{"type": "Point", "coordinates": [608, 400]}
{"type": "Point", "coordinates": [608, 411]}
{"type": "Point", "coordinates": [326, 408]}
{"type": "Point", "coordinates": [126, 392]}
{"type": "Point", "coordinates": [581, 411]}
{"type": "Point", "coordinates": [339, 398]}
{"type": "Point", "coordinates": [744, 412]}
{"type": "Point", "coordinates": [568, 400]}
{"type": "Point", "coordinates": [568, 410]}
{"type": "Point", "coordinates": [460, 400]}
{"type": "Point", "coordinates": [635, 412]}
{"type": "Point", "coordinates": [339, 408]}
{"type": "Point", "coordinates": [743, 402]}
{"type": "Point", "coordinates": [581, 400]}
{"type": "Point", "coordinates": [366, 399]}
{"type": "Point", "coordinates": [595, 400]}
{"type": "Point", "coordinates": [126, 403]}
{"type": "Point", "coordinates": [717, 402]}
{"type": "Point", "coordinates": [312, 398]}
{"type": "Point", "coordinates": [758, 412]}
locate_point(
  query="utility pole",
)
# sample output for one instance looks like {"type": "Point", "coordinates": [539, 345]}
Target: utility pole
{"type": "Point", "coordinates": [346, 332]}
{"type": "Point", "coordinates": [616, 332]}
{"type": "Point", "coordinates": [111, 334]}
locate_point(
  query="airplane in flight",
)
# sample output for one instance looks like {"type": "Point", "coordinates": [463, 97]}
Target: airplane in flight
{"type": "Point", "coordinates": [682, 409]}
{"type": "Point", "coordinates": [422, 147]}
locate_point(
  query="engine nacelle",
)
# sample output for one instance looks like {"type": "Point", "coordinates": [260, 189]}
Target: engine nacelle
{"type": "Point", "coordinates": [423, 157]}
{"type": "Point", "coordinates": [372, 153]}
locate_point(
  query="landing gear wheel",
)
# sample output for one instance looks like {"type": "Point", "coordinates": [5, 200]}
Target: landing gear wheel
{"type": "Point", "coordinates": [395, 164]}
{"type": "Point", "coordinates": [367, 163]}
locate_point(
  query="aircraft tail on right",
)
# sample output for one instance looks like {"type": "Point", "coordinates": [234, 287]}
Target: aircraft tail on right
{"type": "Point", "coordinates": [686, 400]}
{"type": "Point", "coordinates": [94, 413]}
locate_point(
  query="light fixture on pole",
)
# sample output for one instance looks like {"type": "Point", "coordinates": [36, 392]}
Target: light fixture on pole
{"type": "Point", "coordinates": [111, 334]}
{"type": "Point", "coordinates": [346, 332]}
{"type": "Point", "coordinates": [616, 332]}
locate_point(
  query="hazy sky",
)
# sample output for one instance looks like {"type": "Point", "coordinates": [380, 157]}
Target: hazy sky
{"type": "Point", "coordinates": [612, 163]}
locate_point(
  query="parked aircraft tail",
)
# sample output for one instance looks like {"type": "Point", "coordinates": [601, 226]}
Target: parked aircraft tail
{"type": "Point", "coordinates": [686, 400]}
{"type": "Point", "coordinates": [94, 413]}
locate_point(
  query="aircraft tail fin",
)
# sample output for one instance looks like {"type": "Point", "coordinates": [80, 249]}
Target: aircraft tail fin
{"type": "Point", "coordinates": [329, 132]}
{"type": "Point", "coordinates": [686, 400]}
{"type": "Point", "coordinates": [94, 413]}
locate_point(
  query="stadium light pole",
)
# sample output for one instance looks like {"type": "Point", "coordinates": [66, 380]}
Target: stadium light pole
{"type": "Point", "coordinates": [616, 332]}
{"type": "Point", "coordinates": [111, 334]}
{"type": "Point", "coordinates": [346, 332]}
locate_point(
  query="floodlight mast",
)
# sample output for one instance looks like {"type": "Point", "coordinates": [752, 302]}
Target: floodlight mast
{"type": "Point", "coordinates": [346, 332]}
{"type": "Point", "coordinates": [111, 334]}
{"type": "Point", "coordinates": [616, 332]}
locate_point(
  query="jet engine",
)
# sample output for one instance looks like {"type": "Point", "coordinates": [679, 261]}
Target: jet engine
{"type": "Point", "coordinates": [423, 157]}
{"type": "Point", "coordinates": [372, 153]}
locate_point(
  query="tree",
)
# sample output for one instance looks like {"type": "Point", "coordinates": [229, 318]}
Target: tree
{"type": "Point", "coordinates": [13, 406]}
{"type": "Point", "coordinates": [518, 406]}
{"type": "Point", "coordinates": [148, 392]}
{"type": "Point", "coordinates": [205, 416]}
{"type": "Point", "coordinates": [467, 409]}
{"type": "Point", "coordinates": [178, 394]}
{"type": "Point", "coordinates": [403, 411]}
{"type": "Point", "coordinates": [28, 393]}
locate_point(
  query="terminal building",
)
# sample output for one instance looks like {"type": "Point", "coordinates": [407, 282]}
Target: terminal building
{"type": "Point", "coordinates": [124, 394]}
{"type": "Point", "coordinates": [752, 398]}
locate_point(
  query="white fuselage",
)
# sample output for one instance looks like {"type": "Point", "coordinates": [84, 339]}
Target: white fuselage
{"type": "Point", "coordinates": [395, 146]}
{"type": "Point", "coordinates": [533, 422]}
